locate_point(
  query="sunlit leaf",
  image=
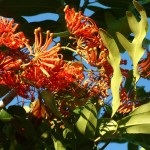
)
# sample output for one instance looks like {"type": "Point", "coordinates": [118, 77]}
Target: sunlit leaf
{"type": "Point", "coordinates": [141, 109]}
{"type": "Point", "coordinates": [87, 122]}
{"type": "Point", "coordinates": [58, 144]}
{"type": "Point", "coordinates": [139, 29]}
{"type": "Point", "coordinates": [114, 59]}
{"type": "Point", "coordinates": [5, 116]}
{"type": "Point", "coordinates": [138, 121]}
{"type": "Point", "coordinates": [106, 127]}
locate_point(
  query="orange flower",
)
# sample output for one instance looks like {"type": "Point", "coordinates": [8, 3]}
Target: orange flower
{"type": "Point", "coordinates": [128, 103]}
{"type": "Point", "coordinates": [7, 25]}
{"type": "Point", "coordinates": [84, 28]}
{"type": "Point", "coordinates": [47, 69]}
{"type": "Point", "coordinates": [75, 69]}
{"type": "Point", "coordinates": [7, 35]}
{"type": "Point", "coordinates": [9, 62]}
{"type": "Point", "coordinates": [144, 66]}
{"type": "Point", "coordinates": [13, 81]}
{"type": "Point", "coordinates": [41, 55]}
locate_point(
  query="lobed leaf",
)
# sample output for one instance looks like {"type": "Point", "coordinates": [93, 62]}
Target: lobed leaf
{"type": "Point", "coordinates": [114, 59]}
{"type": "Point", "coordinates": [139, 29]}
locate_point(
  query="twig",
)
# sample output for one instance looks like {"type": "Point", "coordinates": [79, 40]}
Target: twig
{"type": "Point", "coordinates": [104, 146]}
{"type": "Point", "coordinates": [8, 98]}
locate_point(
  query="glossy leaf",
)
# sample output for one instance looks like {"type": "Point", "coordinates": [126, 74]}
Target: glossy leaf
{"type": "Point", "coordinates": [138, 121]}
{"type": "Point", "coordinates": [87, 122]}
{"type": "Point", "coordinates": [114, 60]}
{"type": "Point", "coordinates": [139, 29]}
{"type": "Point", "coordinates": [5, 116]}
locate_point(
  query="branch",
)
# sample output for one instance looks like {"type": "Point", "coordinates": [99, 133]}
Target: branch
{"type": "Point", "coordinates": [104, 146]}
{"type": "Point", "coordinates": [8, 98]}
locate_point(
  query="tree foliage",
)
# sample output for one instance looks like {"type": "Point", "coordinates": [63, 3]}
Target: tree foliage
{"type": "Point", "coordinates": [64, 83]}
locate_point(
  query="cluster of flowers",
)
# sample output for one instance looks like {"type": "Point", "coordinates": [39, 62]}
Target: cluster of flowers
{"type": "Point", "coordinates": [42, 66]}
{"type": "Point", "coordinates": [37, 66]}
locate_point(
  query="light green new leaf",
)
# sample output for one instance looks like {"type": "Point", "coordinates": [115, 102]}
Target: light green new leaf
{"type": "Point", "coordinates": [142, 109]}
{"type": "Point", "coordinates": [87, 122]}
{"type": "Point", "coordinates": [58, 144]}
{"type": "Point", "coordinates": [114, 59]}
{"type": "Point", "coordinates": [138, 121]}
{"type": "Point", "coordinates": [49, 100]}
{"type": "Point", "coordinates": [139, 29]}
{"type": "Point", "coordinates": [5, 116]}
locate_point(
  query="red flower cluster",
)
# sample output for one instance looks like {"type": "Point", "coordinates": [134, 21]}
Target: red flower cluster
{"type": "Point", "coordinates": [47, 69]}
{"type": "Point", "coordinates": [83, 27]}
{"type": "Point", "coordinates": [7, 35]}
{"type": "Point", "coordinates": [144, 66]}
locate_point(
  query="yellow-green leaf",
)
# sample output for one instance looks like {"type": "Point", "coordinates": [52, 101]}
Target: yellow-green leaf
{"type": "Point", "coordinates": [114, 59]}
{"type": "Point", "coordinates": [137, 121]}
{"type": "Point", "coordinates": [139, 29]}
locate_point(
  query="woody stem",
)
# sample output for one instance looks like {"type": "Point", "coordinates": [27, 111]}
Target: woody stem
{"type": "Point", "coordinates": [8, 98]}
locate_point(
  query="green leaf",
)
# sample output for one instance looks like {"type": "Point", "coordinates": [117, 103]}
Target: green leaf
{"type": "Point", "coordinates": [49, 100]}
{"type": "Point", "coordinates": [142, 148]}
{"type": "Point", "coordinates": [87, 122]}
{"type": "Point", "coordinates": [114, 59]}
{"type": "Point", "coordinates": [115, 24]}
{"type": "Point", "coordinates": [141, 109]}
{"type": "Point", "coordinates": [58, 144]}
{"type": "Point", "coordinates": [13, 8]}
{"type": "Point", "coordinates": [144, 1]}
{"type": "Point", "coordinates": [116, 4]}
{"type": "Point", "coordinates": [17, 111]}
{"type": "Point", "coordinates": [132, 146]}
{"type": "Point", "coordinates": [138, 121]}
{"type": "Point", "coordinates": [139, 139]}
{"type": "Point", "coordinates": [5, 116]}
{"type": "Point", "coordinates": [66, 132]}
{"type": "Point", "coordinates": [139, 29]}
{"type": "Point", "coordinates": [106, 127]}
